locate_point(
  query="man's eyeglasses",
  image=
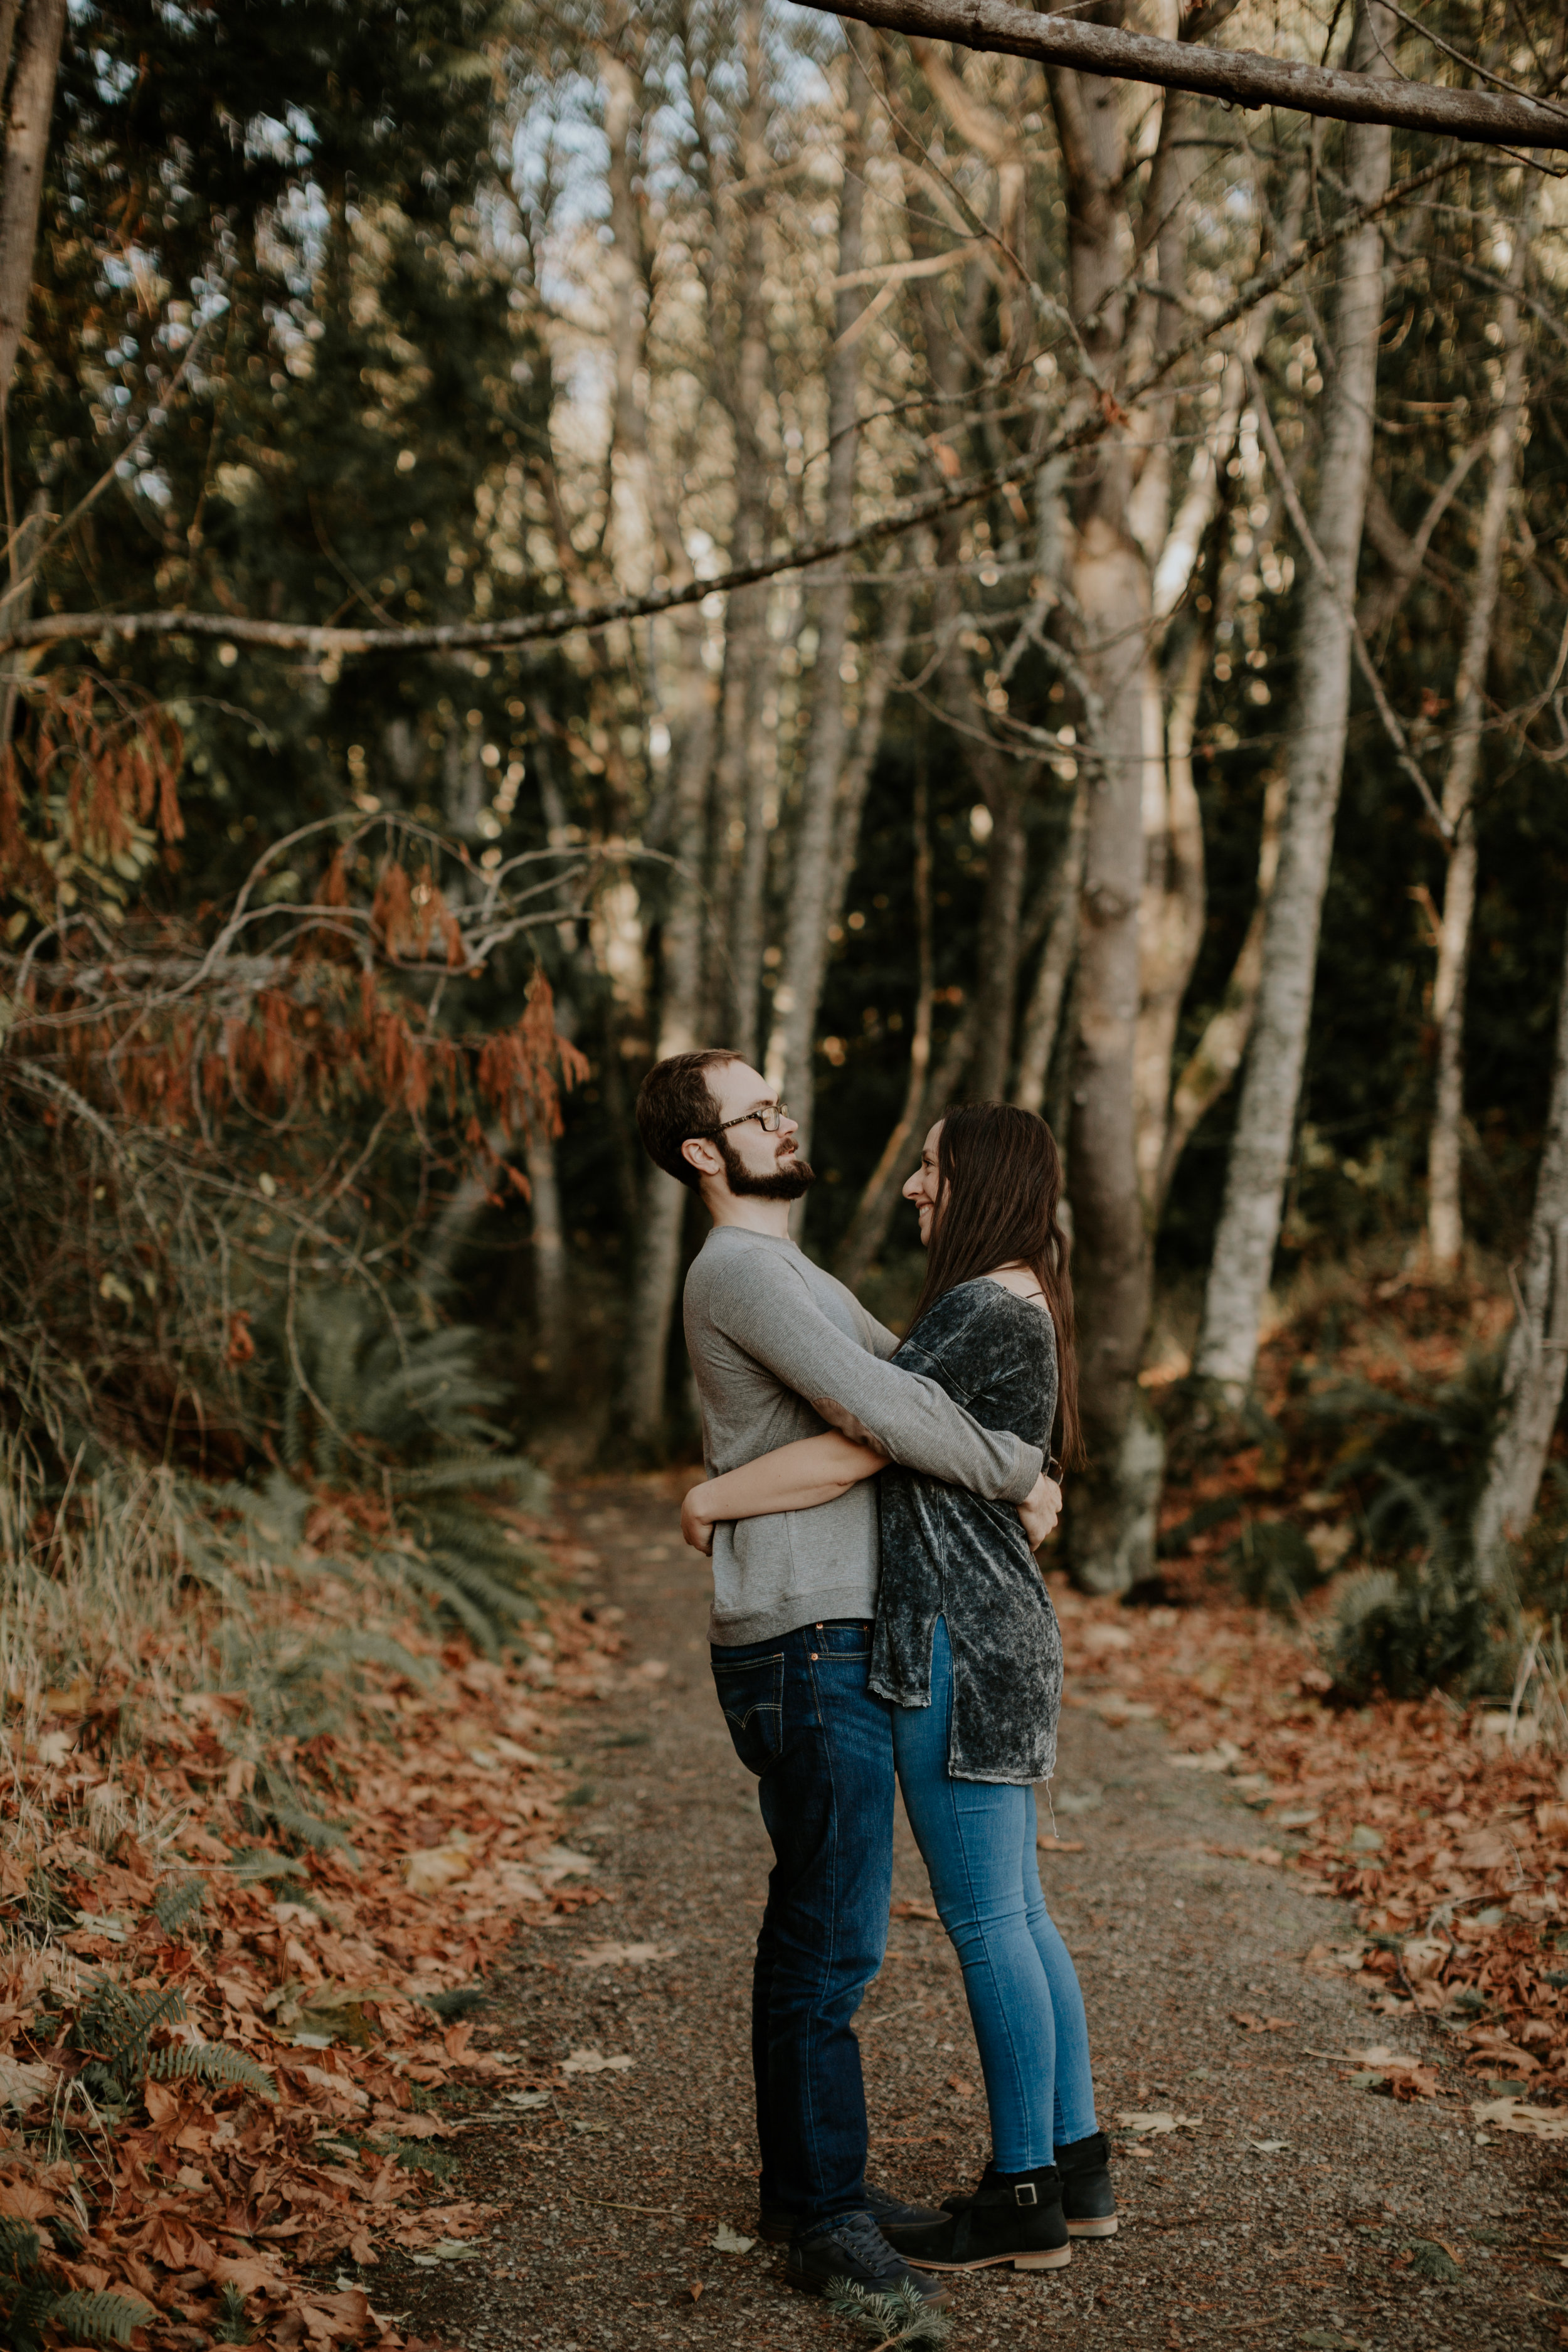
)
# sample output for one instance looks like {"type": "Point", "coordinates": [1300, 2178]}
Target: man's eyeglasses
{"type": "Point", "coordinates": [768, 1119]}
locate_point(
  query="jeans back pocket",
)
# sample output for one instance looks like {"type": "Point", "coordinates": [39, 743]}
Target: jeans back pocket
{"type": "Point", "coordinates": [750, 1693]}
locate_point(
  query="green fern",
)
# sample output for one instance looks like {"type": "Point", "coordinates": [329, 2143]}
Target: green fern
{"type": "Point", "coordinates": [104, 2318]}
{"type": "Point", "coordinates": [115, 2027]}
{"type": "Point", "coordinates": [175, 1900]}
{"type": "Point", "coordinates": [213, 2062]}
{"type": "Point", "coordinates": [19, 2242]}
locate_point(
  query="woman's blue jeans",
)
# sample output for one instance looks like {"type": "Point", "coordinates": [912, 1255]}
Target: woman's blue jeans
{"type": "Point", "coordinates": [977, 1838]}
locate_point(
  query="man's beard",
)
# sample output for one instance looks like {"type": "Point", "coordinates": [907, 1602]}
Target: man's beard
{"type": "Point", "coordinates": [782, 1184]}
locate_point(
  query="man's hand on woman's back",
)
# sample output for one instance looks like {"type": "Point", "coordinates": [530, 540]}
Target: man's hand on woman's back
{"type": "Point", "coordinates": [1040, 1509]}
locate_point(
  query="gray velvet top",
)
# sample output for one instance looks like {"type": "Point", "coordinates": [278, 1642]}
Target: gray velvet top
{"type": "Point", "coordinates": [949, 1553]}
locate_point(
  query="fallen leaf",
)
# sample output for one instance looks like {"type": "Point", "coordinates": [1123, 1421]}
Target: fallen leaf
{"type": "Point", "coordinates": [526, 2098]}
{"type": "Point", "coordinates": [1049, 1845]}
{"type": "Point", "coordinates": [965, 2090]}
{"type": "Point", "coordinates": [432, 1867]}
{"type": "Point", "coordinates": [1159, 2119]}
{"type": "Point", "coordinates": [731, 2241]}
{"type": "Point", "coordinates": [22, 2084]}
{"type": "Point", "coordinates": [1511, 2115]}
{"type": "Point", "coordinates": [592, 2061]}
{"type": "Point", "coordinates": [1269, 2146]}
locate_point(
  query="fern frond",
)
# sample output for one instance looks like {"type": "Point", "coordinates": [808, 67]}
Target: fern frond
{"type": "Point", "coordinates": [901, 2317]}
{"type": "Point", "coordinates": [213, 2062]}
{"type": "Point", "coordinates": [176, 1900]}
{"type": "Point", "coordinates": [19, 2242]}
{"type": "Point", "coordinates": [104, 2318]}
{"type": "Point", "coordinates": [115, 2024]}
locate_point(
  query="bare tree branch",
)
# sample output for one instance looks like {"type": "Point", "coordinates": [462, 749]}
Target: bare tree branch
{"type": "Point", "coordinates": [1238, 78]}
{"type": "Point", "coordinates": [536, 628]}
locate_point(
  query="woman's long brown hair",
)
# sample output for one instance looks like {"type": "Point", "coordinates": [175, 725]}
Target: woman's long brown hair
{"type": "Point", "coordinates": [999, 1184]}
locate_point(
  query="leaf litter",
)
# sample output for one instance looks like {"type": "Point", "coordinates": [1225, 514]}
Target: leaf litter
{"type": "Point", "coordinates": [222, 2045]}
{"type": "Point", "coordinates": [1450, 1841]}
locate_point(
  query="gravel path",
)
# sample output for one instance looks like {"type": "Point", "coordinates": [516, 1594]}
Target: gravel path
{"type": "Point", "coordinates": [1300, 2212]}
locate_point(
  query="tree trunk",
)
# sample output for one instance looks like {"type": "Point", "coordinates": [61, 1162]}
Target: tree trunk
{"type": "Point", "coordinates": [38, 38]}
{"type": "Point", "coordinates": [549, 1241]}
{"type": "Point", "coordinates": [868, 1226]}
{"type": "Point", "coordinates": [1315, 734]}
{"type": "Point", "coordinates": [1445, 1221]}
{"type": "Point", "coordinates": [1042, 1016]}
{"type": "Point", "coordinates": [789, 1057]}
{"type": "Point", "coordinates": [657, 1268]}
{"type": "Point", "coordinates": [1217, 1056]}
{"type": "Point", "coordinates": [740, 769]}
{"type": "Point", "coordinates": [1170, 919]}
{"type": "Point", "coordinates": [1109, 1529]}
{"type": "Point", "coordinates": [1111, 1516]}
{"type": "Point", "coordinates": [1537, 1348]}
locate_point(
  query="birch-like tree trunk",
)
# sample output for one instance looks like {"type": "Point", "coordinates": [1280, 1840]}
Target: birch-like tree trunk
{"type": "Point", "coordinates": [1537, 1353]}
{"type": "Point", "coordinates": [1315, 739]}
{"type": "Point", "coordinates": [32, 99]}
{"type": "Point", "coordinates": [692, 715]}
{"type": "Point", "coordinates": [1444, 1218]}
{"type": "Point", "coordinates": [789, 1054]}
{"type": "Point", "coordinates": [1109, 1528]}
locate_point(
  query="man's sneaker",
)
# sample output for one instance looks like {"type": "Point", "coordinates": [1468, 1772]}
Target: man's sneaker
{"type": "Point", "coordinates": [776, 2225]}
{"type": "Point", "coordinates": [1088, 2201]}
{"type": "Point", "coordinates": [851, 2247]}
{"type": "Point", "coordinates": [1017, 2218]}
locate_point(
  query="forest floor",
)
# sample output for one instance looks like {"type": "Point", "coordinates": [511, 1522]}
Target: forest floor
{"type": "Point", "coordinates": [1282, 2185]}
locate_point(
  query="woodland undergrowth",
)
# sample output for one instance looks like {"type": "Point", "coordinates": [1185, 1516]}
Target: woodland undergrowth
{"type": "Point", "coordinates": [268, 1812]}
{"type": "Point", "coordinates": [1402, 1740]}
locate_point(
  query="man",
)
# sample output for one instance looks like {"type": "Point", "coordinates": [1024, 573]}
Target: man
{"type": "Point", "coordinates": [779, 1351]}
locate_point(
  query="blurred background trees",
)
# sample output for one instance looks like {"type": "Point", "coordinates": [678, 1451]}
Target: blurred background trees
{"type": "Point", "coordinates": [1246, 706]}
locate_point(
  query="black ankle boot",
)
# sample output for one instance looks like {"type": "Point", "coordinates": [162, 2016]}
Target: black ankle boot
{"type": "Point", "coordinates": [1013, 2217]}
{"type": "Point", "coordinates": [1088, 2201]}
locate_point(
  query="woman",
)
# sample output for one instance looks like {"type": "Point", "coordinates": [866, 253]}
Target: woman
{"type": "Point", "coordinates": [968, 1651]}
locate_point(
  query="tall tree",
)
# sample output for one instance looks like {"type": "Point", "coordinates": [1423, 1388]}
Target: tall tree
{"type": "Point", "coordinates": [1445, 1217]}
{"type": "Point", "coordinates": [1315, 740]}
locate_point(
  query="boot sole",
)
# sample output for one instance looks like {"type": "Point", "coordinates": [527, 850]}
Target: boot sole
{"type": "Point", "coordinates": [1055, 2258]}
{"type": "Point", "coordinates": [1106, 2227]}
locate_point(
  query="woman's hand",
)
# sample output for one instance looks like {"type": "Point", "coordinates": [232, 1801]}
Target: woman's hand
{"type": "Point", "coordinates": [1039, 1510]}
{"type": "Point", "coordinates": [695, 1524]}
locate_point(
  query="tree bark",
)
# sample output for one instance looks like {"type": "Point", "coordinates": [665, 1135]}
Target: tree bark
{"type": "Point", "coordinates": [657, 1267]}
{"type": "Point", "coordinates": [38, 38]}
{"type": "Point", "coordinates": [1042, 1016]}
{"type": "Point", "coordinates": [1315, 734]}
{"type": "Point", "coordinates": [1110, 1527]}
{"type": "Point", "coordinates": [1537, 1351]}
{"type": "Point", "coordinates": [548, 1243]}
{"type": "Point", "coordinates": [1217, 1056]}
{"type": "Point", "coordinates": [789, 1057]}
{"type": "Point", "coordinates": [1241, 78]}
{"type": "Point", "coordinates": [868, 1226]}
{"type": "Point", "coordinates": [1444, 1216]}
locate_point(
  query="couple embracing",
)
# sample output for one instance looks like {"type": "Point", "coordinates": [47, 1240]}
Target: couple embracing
{"type": "Point", "coordinates": [871, 1511]}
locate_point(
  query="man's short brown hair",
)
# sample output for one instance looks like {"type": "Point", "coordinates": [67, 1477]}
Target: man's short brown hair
{"type": "Point", "coordinates": [674, 1102]}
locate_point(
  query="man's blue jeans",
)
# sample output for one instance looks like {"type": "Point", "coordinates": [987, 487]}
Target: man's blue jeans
{"type": "Point", "coordinates": [977, 1838]}
{"type": "Point", "coordinates": [821, 1745]}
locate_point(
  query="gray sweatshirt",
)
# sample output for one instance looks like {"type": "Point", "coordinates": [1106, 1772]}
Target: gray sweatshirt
{"type": "Point", "coordinates": [780, 1350]}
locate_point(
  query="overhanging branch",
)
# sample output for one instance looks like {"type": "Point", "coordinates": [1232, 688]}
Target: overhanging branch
{"type": "Point", "coordinates": [564, 621]}
{"type": "Point", "coordinates": [1237, 76]}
